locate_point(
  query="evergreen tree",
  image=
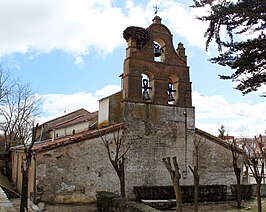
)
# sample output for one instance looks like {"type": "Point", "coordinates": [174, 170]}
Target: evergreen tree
{"type": "Point", "coordinates": [246, 57]}
{"type": "Point", "coordinates": [221, 132]}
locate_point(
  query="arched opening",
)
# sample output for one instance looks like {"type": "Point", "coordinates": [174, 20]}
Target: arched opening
{"type": "Point", "coordinates": [73, 131]}
{"type": "Point", "coordinates": [172, 89]}
{"type": "Point", "coordinates": [147, 86]}
{"type": "Point", "coordinates": [159, 50]}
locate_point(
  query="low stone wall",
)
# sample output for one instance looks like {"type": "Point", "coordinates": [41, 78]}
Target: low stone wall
{"type": "Point", "coordinates": [262, 190]}
{"type": "Point", "coordinates": [247, 191]}
{"type": "Point", "coordinates": [207, 193]}
{"type": "Point", "coordinates": [110, 202]}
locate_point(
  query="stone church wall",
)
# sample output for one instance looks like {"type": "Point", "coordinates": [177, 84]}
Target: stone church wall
{"type": "Point", "coordinates": [75, 172]}
{"type": "Point", "coordinates": [157, 131]}
{"type": "Point", "coordinates": [216, 163]}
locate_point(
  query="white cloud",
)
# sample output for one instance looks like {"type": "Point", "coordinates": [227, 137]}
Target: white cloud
{"type": "Point", "coordinates": [241, 119]}
{"type": "Point", "coordinates": [80, 27]}
{"type": "Point", "coordinates": [182, 21]}
{"type": "Point", "coordinates": [55, 105]}
{"type": "Point", "coordinates": [72, 26]}
{"type": "Point", "coordinates": [107, 90]}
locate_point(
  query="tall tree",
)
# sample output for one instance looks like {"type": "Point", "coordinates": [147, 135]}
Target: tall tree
{"type": "Point", "coordinates": [235, 156]}
{"type": "Point", "coordinates": [18, 110]}
{"type": "Point", "coordinates": [6, 83]}
{"type": "Point", "coordinates": [18, 106]}
{"type": "Point", "coordinates": [245, 54]}
{"type": "Point", "coordinates": [195, 171]}
{"type": "Point", "coordinates": [256, 157]}
{"type": "Point", "coordinates": [117, 147]}
{"type": "Point", "coordinates": [221, 132]}
{"type": "Point", "coordinates": [27, 134]}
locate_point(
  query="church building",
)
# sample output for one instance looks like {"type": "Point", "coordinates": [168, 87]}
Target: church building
{"type": "Point", "coordinates": [154, 113]}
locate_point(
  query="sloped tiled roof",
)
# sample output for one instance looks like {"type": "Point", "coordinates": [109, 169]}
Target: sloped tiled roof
{"type": "Point", "coordinates": [81, 111]}
{"type": "Point", "coordinates": [68, 140]}
{"type": "Point", "coordinates": [216, 140]}
{"type": "Point", "coordinates": [75, 120]}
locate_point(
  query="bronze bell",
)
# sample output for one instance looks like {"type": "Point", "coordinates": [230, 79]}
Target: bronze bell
{"type": "Point", "coordinates": [145, 95]}
{"type": "Point", "coordinates": [157, 50]}
{"type": "Point", "coordinates": [170, 91]}
{"type": "Point", "coordinates": [170, 98]}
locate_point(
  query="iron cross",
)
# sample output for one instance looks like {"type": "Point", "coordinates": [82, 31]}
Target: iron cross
{"type": "Point", "coordinates": [156, 9]}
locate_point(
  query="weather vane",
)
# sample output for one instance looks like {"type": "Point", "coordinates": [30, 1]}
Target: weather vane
{"type": "Point", "coordinates": [156, 9]}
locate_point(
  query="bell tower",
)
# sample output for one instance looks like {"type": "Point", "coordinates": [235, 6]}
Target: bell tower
{"type": "Point", "coordinates": [156, 104]}
{"type": "Point", "coordinates": [154, 72]}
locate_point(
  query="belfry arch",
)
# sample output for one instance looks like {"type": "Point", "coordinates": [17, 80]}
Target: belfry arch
{"type": "Point", "coordinates": [159, 50]}
{"type": "Point", "coordinates": [147, 79]}
{"type": "Point", "coordinates": [172, 86]}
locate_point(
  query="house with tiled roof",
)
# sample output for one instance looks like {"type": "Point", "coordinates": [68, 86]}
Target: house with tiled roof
{"type": "Point", "coordinates": [155, 114]}
{"type": "Point", "coordinates": [68, 124]}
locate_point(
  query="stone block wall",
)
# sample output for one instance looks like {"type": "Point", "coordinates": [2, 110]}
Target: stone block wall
{"type": "Point", "coordinates": [158, 131]}
{"type": "Point", "coordinates": [75, 172]}
{"type": "Point", "coordinates": [216, 163]}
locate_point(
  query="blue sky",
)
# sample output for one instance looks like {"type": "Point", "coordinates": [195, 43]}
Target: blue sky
{"type": "Point", "coordinates": [72, 53]}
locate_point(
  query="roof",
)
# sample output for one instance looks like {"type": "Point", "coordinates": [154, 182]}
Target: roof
{"type": "Point", "coordinates": [68, 140]}
{"type": "Point", "coordinates": [83, 111]}
{"type": "Point", "coordinates": [216, 140]}
{"type": "Point", "coordinates": [75, 120]}
{"type": "Point", "coordinates": [107, 97]}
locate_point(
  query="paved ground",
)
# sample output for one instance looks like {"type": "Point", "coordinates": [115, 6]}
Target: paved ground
{"type": "Point", "coordinates": [62, 207]}
{"type": "Point", "coordinates": [5, 204]}
{"type": "Point", "coordinates": [249, 206]}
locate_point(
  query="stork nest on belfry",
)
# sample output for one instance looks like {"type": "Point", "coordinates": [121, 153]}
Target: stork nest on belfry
{"type": "Point", "coordinates": [138, 34]}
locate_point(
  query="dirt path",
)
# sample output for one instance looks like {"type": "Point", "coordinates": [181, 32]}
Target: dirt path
{"type": "Point", "coordinates": [250, 206]}
{"type": "Point", "coordinates": [62, 207]}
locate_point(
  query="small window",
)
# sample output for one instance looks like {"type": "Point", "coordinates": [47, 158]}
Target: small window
{"type": "Point", "coordinates": [56, 135]}
{"type": "Point", "coordinates": [73, 132]}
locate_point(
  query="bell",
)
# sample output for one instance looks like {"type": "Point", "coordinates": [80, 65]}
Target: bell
{"type": "Point", "coordinates": [170, 98]}
{"type": "Point", "coordinates": [145, 95]}
{"type": "Point", "coordinates": [170, 91]}
{"type": "Point", "coordinates": [157, 50]}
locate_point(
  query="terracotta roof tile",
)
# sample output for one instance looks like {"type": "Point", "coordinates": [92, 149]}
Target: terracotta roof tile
{"type": "Point", "coordinates": [75, 120]}
{"type": "Point", "coordinates": [79, 137]}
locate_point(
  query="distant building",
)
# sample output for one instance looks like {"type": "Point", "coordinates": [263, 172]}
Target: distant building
{"type": "Point", "coordinates": [154, 111]}
{"type": "Point", "coordinates": [68, 124]}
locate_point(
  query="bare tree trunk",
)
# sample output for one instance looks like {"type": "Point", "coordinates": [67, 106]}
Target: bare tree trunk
{"type": "Point", "coordinates": [238, 186]}
{"type": "Point", "coordinates": [237, 170]}
{"type": "Point", "coordinates": [26, 168]}
{"type": "Point", "coordinates": [196, 197]}
{"type": "Point", "coordinates": [259, 196]}
{"type": "Point", "coordinates": [25, 181]}
{"type": "Point", "coordinates": [175, 176]}
{"type": "Point", "coordinates": [118, 158]}
{"type": "Point", "coordinates": [122, 184]}
{"type": "Point", "coordinates": [196, 187]}
{"type": "Point", "coordinates": [121, 175]}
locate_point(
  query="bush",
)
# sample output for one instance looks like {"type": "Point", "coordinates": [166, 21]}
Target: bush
{"type": "Point", "coordinates": [110, 202]}
{"type": "Point", "coordinates": [105, 201]}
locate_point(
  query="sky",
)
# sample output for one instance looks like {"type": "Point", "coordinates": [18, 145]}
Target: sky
{"type": "Point", "coordinates": [72, 53]}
